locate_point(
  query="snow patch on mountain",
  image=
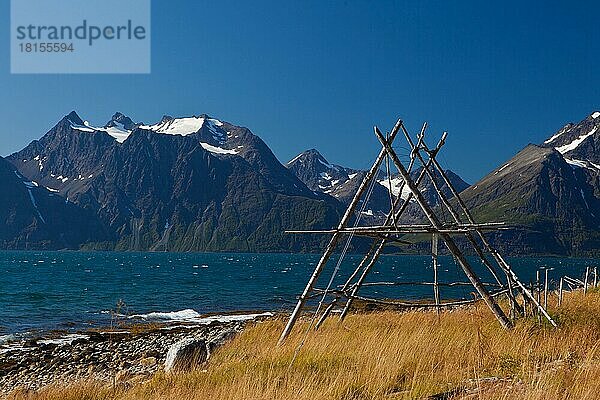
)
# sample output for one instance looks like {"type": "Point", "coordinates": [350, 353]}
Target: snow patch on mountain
{"type": "Point", "coordinates": [501, 168]}
{"type": "Point", "coordinates": [582, 164]}
{"type": "Point", "coordinates": [118, 132]}
{"type": "Point", "coordinates": [564, 129]}
{"type": "Point", "coordinates": [325, 164]}
{"type": "Point", "coordinates": [584, 200]}
{"type": "Point", "coordinates": [33, 202]}
{"type": "Point", "coordinates": [217, 150]}
{"type": "Point", "coordinates": [83, 128]}
{"type": "Point", "coordinates": [185, 126]}
{"type": "Point", "coordinates": [575, 143]}
{"type": "Point", "coordinates": [396, 184]}
{"type": "Point", "coordinates": [596, 115]}
{"type": "Point", "coordinates": [30, 185]}
{"type": "Point", "coordinates": [217, 134]}
{"type": "Point", "coordinates": [190, 125]}
{"type": "Point", "coordinates": [293, 160]}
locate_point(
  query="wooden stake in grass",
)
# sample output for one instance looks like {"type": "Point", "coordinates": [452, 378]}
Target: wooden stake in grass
{"type": "Point", "coordinates": [538, 286]}
{"type": "Point", "coordinates": [546, 289]}
{"type": "Point", "coordinates": [434, 256]}
{"type": "Point", "coordinates": [560, 291]}
{"type": "Point", "coordinates": [585, 281]}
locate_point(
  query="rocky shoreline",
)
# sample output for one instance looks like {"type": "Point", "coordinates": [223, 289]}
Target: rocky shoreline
{"type": "Point", "coordinates": [124, 356]}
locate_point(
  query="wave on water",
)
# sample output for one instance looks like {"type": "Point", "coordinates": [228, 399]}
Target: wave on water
{"type": "Point", "coordinates": [234, 318]}
{"type": "Point", "coordinates": [192, 316]}
{"type": "Point", "coordinates": [181, 316]}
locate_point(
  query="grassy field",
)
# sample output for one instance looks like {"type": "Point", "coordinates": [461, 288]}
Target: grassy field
{"type": "Point", "coordinates": [386, 355]}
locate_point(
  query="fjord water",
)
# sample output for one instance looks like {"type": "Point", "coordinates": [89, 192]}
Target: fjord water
{"type": "Point", "coordinates": [42, 291]}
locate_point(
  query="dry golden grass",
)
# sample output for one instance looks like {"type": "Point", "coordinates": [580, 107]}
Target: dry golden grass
{"type": "Point", "coordinates": [386, 355]}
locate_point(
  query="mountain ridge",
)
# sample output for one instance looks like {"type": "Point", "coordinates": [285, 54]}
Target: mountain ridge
{"type": "Point", "coordinates": [192, 183]}
{"type": "Point", "coordinates": [201, 184]}
{"type": "Point", "coordinates": [550, 191]}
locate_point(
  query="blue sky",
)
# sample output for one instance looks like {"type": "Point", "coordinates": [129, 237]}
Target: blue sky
{"type": "Point", "coordinates": [321, 74]}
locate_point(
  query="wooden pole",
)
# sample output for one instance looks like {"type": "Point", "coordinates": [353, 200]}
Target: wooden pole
{"type": "Point", "coordinates": [450, 244]}
{"type": "Point", "coordinates": [497, 256]}
{"type": "Point", "coordinates": [336, 236]}
{"type": "Point", "coordinates": [511, 298]}
{"type": "Point", "coordinates": [533, 309]}
{"type": "Point", "coordinates": [434, 257]}
{"type": "Point", "coordinates": [538, 293]}
{"type": "Point", "coordinates": [382, 243]}
{"type": "Point", "coordinates": [447, 203]}
{"type": "Point", "coordinates": [538, 286]}
{"type": "Point", "coordinates": [585, 281]}
{"type": "Point", "coordinates": [525, 306]}
{"type": "Point", "coordinates": [546, 289]}
{"type": "Point", "coordinates": [560, 292]}
{"type": "Point", "coordinates": [595, 276]}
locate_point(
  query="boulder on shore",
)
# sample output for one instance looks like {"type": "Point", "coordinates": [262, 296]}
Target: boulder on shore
{"type": "Point", "coordinates": [186, 354]}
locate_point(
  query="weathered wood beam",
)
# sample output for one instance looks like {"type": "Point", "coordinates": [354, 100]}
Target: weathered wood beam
{"type": "Point", "coordinates": [382, 244]}
{"type": "Point", "coordinates": [373, 255]}
{"type": "Point", "coordinates": [336, 236]}
{"type": "Point", "coordinates": [450, 244]}
{"type": "Point", "coordinates": [495, 254]}
{"type": "Point", "coordinates": [450, 208]}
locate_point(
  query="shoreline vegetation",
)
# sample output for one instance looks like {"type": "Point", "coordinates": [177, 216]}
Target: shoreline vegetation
{"type": "Point", "coordinates": [460, 354]}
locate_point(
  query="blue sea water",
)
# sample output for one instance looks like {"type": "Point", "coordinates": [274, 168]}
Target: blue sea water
{"type": "Point", "coordinates": [42, 291]}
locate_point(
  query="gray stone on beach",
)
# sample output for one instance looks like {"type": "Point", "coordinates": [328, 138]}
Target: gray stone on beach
{"type": "Point", "coordinates": [186, 354]}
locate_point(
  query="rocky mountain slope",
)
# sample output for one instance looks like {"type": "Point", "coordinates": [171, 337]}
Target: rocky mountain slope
{"type": "Point", "coordinates": [337, 181]}
{"type": "Point", "coordinates": [34, 217]}
{"type": "Point", "coordinates": [550, 193]}
{"type": "Point", "coordinates": [182, 184]}
{"type": "Point", "coordinates": [341, 182]}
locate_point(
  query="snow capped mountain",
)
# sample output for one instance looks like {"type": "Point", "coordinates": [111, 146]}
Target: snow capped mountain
{"type": "Point", "coordinates": [579, 143]}
{"type": "Point", "coordinates": [550, 193]}
{"type": "Point", "coordinates": [120, 127]}
{"type": "Point", "coordinates": [213, 185]}
{"type": "Point", "coordinates": [339, 182]}
{"type": "Point", "coordinates": [200, 183]}
{"type": "Point", "coordinates": [342, 183]}
{"type": "Point", "coordinates": [121, 121]}
{"type": "Point", "coordinates": [318, 174]}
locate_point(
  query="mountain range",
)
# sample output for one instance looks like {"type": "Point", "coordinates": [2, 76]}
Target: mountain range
{"type": "Point", "coordinates": [182, 184]}
{"type": "Point", "coordinates": [201, 184]}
